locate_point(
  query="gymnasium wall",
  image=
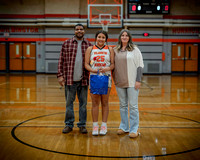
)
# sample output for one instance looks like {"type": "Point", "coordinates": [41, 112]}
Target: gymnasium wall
{"type": "Point", "coordinates": [79, 7]}
{"type": "Point", "coordinates": [48, 24]}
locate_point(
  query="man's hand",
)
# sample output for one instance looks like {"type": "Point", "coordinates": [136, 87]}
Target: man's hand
{"type": "Point", "coordinates": [61, 81]}
{"type": "Point", "coordinates": [137, 85]}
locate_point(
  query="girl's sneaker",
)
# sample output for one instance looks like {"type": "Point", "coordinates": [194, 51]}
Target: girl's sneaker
{"type": "Point", "coordinates": [103, 130]}
{"type": "Point", "coordinates": [95, 131]}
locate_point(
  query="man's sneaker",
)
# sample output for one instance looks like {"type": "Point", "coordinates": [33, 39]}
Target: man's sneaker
{"type": "Point", "coordinates": [103, 130]}
{"type": "Point", "coordinates": [133, 135]}
{"type": "Point", "coordinates": [83, 130]}
{"type": "Point", "coordinates": [67, 129]}
{"type": "Point", "coordinates": [95, 131]}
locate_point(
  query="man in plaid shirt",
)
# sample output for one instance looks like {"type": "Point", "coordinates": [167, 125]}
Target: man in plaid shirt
{"type": "Point", "coordinates": [73, 75]}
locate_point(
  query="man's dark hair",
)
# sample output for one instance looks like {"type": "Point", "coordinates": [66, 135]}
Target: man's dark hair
{"type": "Point", "coordinates": [79, 24]}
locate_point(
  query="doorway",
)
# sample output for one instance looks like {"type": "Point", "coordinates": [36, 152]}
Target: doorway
{"type": "Point", "coordinates": [184, 57]}
{"type": "Point", "coordinates": [18, 57]}
{"type": "Point", "coordinates": [2, 56]}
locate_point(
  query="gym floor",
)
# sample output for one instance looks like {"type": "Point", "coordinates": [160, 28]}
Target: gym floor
{"type": "Point", "coordinates": [32, 112]}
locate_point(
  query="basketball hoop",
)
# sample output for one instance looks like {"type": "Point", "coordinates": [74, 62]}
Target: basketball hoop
{"type": "Point", "coordinates": [107, 15]}
{"type": "Point", "coordinates": [104, 25]}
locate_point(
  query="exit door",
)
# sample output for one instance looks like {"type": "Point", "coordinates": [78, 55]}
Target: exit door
{"type": "Point", "coordinates": [184, 58]}
{"type": "Point", "coordinates": [2, 56]}
{"type": "Point", "coordinates": [22, 57]}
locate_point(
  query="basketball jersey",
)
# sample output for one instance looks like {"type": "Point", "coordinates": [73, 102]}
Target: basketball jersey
{"type": "Point", "coordinates": [100, 58]}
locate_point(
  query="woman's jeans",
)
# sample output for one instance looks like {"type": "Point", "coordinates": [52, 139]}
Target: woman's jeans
{"type": "Point", "coordinates": [70, 95]}
{"type": "Point", "coordinates": [128, 96]}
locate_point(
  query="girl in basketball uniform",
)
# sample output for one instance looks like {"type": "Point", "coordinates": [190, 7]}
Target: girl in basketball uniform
{"type": "Point", "coordinates": [100, 57]}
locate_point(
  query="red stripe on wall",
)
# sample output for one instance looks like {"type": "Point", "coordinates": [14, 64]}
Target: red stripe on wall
{"type": "Point", "coordinates": [32, 39]}
{"type": "Point", "coordinates": [22, 39]}
{"type": "Point", "coordinates": [181, 17]}
{"type": "Point", "coordinates": [21, 16]}
{"type": "Point", "coordinates": [197, 17]}
{"type": "Point", "coordinates": [65, 15]}
{"type": "Point", "coordinates": [42, 16]}
{"type": "Point", "coordinates": [109, 40]}
{"type": "Point", "coordinates": [182, 40]}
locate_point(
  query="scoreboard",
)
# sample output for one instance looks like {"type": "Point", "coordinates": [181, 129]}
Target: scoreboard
{"type": "Point", "coordinates": [148, 6]}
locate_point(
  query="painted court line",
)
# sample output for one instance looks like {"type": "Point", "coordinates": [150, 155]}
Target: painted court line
{"type": "Point", "coordinates": [3, 83]}
{"type": "Point", "coordinates": [13, 102]}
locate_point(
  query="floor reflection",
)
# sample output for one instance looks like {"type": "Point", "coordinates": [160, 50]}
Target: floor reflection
{"type": "Point", "coordinates": [45, 88]}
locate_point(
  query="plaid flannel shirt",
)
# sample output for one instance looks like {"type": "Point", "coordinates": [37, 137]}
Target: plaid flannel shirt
{"type": "Point", "coordinates": [67, 60]}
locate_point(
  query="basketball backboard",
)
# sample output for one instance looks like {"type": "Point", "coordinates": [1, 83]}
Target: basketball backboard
{"type": "Point", "coordinates": [103, 15]}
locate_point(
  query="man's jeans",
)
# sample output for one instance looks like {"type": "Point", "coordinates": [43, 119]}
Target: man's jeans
{"type": "Point", "coordinates": [70, 95]}
{"type": "Point", "coordinates": [128, 96]}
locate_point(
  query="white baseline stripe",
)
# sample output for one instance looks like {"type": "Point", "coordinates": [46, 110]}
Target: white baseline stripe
{"type": "Point", "coordinates": [13, 102]}
{"type": "Point", "coordinates": [3, 83]}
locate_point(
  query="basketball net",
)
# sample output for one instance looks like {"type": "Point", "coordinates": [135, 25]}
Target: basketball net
{"type": "Point", "coordinates": [104, 25]}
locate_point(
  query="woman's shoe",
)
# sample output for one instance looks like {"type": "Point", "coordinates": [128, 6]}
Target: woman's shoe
{"type": "Point", "coordinates": [120, 131]}
{"type": "Point", "coordinates": [133, 135]}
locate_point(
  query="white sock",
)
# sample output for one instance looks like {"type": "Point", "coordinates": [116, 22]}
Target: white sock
{"type": "Point", "coordinates": [95, 123]}
{"type": "Point", "coordinates": [104, 124]}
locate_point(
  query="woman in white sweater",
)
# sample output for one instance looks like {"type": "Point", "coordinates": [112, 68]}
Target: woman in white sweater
{"type": "Point", "coordinates": [127, 76]}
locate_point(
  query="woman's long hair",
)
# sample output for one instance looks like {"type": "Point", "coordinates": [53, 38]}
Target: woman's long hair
{"type": "Point", "coordinates": [130, 46]}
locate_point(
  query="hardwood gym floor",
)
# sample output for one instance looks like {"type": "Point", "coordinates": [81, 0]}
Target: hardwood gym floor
{"type": "Point", "coordinates": [32, 110]}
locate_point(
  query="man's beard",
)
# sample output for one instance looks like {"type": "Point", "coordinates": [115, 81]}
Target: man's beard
{"type": "Point", "coordinates": [79, 36]}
